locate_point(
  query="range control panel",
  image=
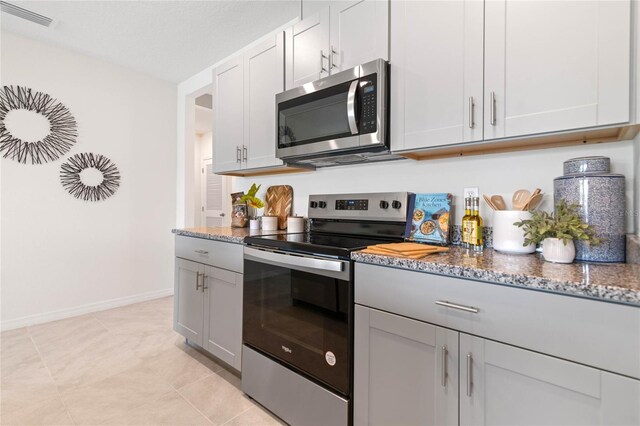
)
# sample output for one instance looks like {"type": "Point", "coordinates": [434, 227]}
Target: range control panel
{"type": "Point", "coordinates": [368, 104]}
{"type": "Point", "coordinates": [384, 206]}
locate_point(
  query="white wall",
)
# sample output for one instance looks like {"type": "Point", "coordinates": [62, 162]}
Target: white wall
{"type": "Point", "coordinates": [493, 174]}
{"type": "Point", "coordinates": [63, 256]}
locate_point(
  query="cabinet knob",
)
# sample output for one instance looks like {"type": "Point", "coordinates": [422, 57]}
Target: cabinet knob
{"type": "Point", "coordinates": [322, 204]}
{"type": "Point", "coordinates": [384, 204]}
{"type": "Point", "coordinates": [313, 204]}
{"type": "Point", "coordinates": [396, 204]}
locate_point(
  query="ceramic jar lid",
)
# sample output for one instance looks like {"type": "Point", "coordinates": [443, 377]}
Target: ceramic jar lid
{"type": "Point", "coordinates": [584, 165]}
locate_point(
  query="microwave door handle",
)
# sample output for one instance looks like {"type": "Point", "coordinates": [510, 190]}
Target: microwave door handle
{"type": "Point", "coordinates": [351, 107]}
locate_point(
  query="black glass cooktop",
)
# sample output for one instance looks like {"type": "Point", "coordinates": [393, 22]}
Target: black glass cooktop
{"type": "Point", "coordinates": [315, 243]}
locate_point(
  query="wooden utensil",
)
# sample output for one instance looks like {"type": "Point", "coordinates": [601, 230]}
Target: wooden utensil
{"type": "Point", "coordinates": [488, 201]}
{"type": "Point", "coordinates": [498, 201]}
{"type": "Point", "coordinates": [278, 202]}
{"type": "Point", "coordinates": [520, 198]}
{"type": "Point", "coordinates": [533, 202]}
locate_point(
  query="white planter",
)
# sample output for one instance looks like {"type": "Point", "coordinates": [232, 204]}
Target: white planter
{"type": "Point", "coordinates": [507, 237]}
{"type": "Point", "coordinates": [254, 224]}
{"type": "Point", "coordinates": [554, 250]}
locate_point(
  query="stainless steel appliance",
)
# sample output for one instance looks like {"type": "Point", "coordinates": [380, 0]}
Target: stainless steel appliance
{"type": "Point", "coordinates": [297, 355]}
{"type": "Point", "coordinates": [340, 119]}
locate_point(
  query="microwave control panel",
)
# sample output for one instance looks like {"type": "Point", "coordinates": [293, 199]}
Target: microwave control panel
{"type": "Point", "coordinates": [368, 107]}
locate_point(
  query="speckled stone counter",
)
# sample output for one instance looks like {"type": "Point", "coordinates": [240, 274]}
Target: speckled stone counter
{"type": "Point", "coordinates": [226, 234]}
{"type": "Point", "coordinates": [615, 282]}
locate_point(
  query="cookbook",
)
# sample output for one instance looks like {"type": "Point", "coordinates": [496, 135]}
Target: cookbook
{"type": "Point", "coordinates": [430, 216]}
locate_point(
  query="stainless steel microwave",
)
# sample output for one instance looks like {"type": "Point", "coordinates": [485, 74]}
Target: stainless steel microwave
{"type": "Point", "coordinates": [340, 116]}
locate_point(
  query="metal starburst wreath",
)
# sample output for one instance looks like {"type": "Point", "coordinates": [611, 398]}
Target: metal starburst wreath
{"type": "Point", "coordinates": [71, 181]}
{"type": "Point", "coordinates": [63, 127]}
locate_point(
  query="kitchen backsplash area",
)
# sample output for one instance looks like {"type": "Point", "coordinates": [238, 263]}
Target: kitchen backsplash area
{"type": "Point", "coordinates": [493, 174]}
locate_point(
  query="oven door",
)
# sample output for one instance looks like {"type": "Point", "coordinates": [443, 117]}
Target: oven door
{"type": "Point", "coordinates": [297, 309]}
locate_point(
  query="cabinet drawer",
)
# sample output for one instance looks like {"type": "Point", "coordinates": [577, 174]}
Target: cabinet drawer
{"type": "Point", "coordinates": [601, 334]}
{"type": "Point", "coordinates": [215, 253]}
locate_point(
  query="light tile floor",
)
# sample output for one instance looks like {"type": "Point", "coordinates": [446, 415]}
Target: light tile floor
{"type": "Point", "coordinates": [124, 366]}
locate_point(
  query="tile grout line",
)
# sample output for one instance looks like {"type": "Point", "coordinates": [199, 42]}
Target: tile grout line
{"type": "Point", "coordinates": [184, 398]}
{"type": "Point", "coordinates": [235, 417]}
{"type": "Point", "coordinates": [44, 364]}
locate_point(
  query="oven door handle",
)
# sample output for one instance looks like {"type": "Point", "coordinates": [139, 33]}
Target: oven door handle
{"type": "Point", "coordinates": [351, 107]}
{"type": "Point", "coordinates": [305, 262]}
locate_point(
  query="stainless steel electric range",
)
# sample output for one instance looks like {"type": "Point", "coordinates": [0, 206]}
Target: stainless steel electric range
{"type": "Point", "coordinates": [297, 357]}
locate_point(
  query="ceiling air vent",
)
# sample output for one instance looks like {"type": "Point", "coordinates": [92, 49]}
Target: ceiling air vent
{"type": "Point", "coordinates": [23, 13]}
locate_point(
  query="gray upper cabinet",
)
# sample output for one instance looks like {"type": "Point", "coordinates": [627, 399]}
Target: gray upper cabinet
{"type": "Point", "coordinates": [188, 312]}
{"type": "Point", "coordinates": [467, 71]}
{"type": "Point", "coordinates": [263, 79]}
{"type": "Point", "coordinates": [555, 65]}
{"type": "Point", "coordinates": [501, 384]}
{"type": "Point", "coordinates": [359, 33]}
{"type": "Point", "coordinates": [406, 371]}
{"type": "Point", "coordinates": [223, 315]}
{"type": "Point", "coordinates": [308, 50]}
{"type": "Point", "coordinates": [228, 116]}
{"type": "Point", "coordinates": [436, 73]}
{"type": "Point", "coordinates": [338, 37]}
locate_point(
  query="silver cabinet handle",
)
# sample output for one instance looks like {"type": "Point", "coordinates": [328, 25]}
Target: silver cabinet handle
{"type": "Point", "coordinates": [351, 107]}
{"type": "Point", "coordinates": [244, 153]}
{"type": "Point", "coordinates": [238, 154]}
{"type": "Point", "coordinates": [222, 214]}
{"type": "Point", "coordinates": [456, 306]}
{"type": "Point", "coordinates": [471, 114]}
{"type": "Point", "coordinates": [201, 251]}
{"type": "Point", "coordinates": [469, 373]}
{"type": "Point", "coordinates": [198, 281]}
{"type": "Point", "coordinates": [493, 108]}
{"type": "Point", "coordinates": [444, 366]}
{"type": "Point", "coordinates": [204, 280]}
{"type": "Point", "coordinates": [332, 62]}
{"type": "Point", "coordinates": [322, 58]}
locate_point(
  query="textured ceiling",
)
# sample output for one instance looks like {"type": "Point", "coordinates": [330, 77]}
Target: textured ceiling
{"type": "Point", "coordinates": [172, 40]}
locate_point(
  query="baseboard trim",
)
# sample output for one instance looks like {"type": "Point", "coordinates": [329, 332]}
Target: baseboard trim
{"type": "Point", "coordinates": [83, 309]}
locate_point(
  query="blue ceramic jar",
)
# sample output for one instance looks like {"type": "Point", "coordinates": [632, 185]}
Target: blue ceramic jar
{"type": "Point", "coordinates": [601, 195]}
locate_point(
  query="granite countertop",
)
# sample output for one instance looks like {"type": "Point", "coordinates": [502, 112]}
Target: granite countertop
{"type": "Point", "coordinates": [226, 234]}
{"type": "Point", "coordinates": [614, 282]}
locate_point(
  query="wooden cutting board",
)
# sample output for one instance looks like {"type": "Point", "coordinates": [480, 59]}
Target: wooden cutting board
{"type": "Point", "coordinates": [405, 250]}
{"type": "Point", "coordinates": [279, 202]}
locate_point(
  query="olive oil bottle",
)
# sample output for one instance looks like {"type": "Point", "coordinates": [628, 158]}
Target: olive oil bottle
{"type": "Point", "coordinates": [466, 223]}
{"type": "Point", "coordinates": [475, 238]}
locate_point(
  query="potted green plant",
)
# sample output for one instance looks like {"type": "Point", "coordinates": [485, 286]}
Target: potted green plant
{"type": "Point", "coordinates": [556, 231]}
{"type": "Point", "coordinates": [254, 203]}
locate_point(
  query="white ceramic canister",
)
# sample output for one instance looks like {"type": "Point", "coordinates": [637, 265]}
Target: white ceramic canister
{"type": "Point", "coordinates": [295, 224]}
{"type": "Point", "coordinates": [507, 237]}
{"type": "Point", "coordinates": [269, 223]}
{"type": "Point", "coordinates": [254, 224]}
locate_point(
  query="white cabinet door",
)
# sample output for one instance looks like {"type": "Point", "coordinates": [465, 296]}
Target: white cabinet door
{"type": "Point", "coordinates": [263, 79]}
{"type": "Point", "coordinates": [308, 50]}
{"type": "Point", "coordinates": [223, 319]}
{"type": "Point", "coordinates": [502, 384]}
{"type": "Point", "coordinates": [555, 65]}
{"type": "Point", "coordinates": [405, 371]}
{"type": "Point", "coordinates": [359, 33]}
{"type": "Point", "coordinates": [188, 303]}
{"type": "Point", "coordinates": [228, 113]}
{"type": "Point", "coordinates": [436, 73]}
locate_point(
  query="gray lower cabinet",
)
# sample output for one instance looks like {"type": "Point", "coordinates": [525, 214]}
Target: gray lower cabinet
{"type": "Point", "coordinates": [188, 300]}
{"type": "Point", "coordinates": [411, 372]}
{"type": "Point", "coordinates": [502, 384]}
{"type": "Point", "coordinates": [208, 296]}
{"type": "Point", "coordinates": [405, 371]}
{"type": "Point", "coordinates": [223, 315]}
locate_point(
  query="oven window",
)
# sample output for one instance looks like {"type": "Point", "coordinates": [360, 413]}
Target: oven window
{"type": "Point", "coordinates": [317, 116]}
{"type": "Point", "coordinates": [300, 318]}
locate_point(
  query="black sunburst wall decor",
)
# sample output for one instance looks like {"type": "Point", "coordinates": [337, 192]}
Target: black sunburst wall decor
{"type": "Point", "coordinates": [71, 181]}
{"type": "Point", "coordinates": [63, 127]}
